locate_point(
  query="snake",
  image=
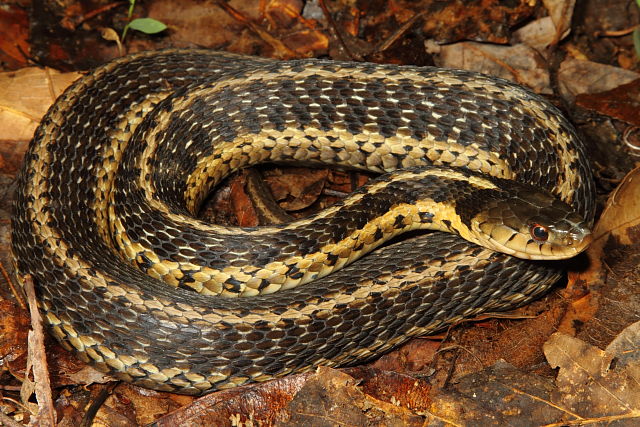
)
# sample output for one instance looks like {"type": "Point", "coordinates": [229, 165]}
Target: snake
{"type": "Point", "coordinates": [482, 188]}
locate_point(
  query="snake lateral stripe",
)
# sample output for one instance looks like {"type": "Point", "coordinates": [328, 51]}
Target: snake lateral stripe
{"type": "Point", "coordinates": [105, 217]}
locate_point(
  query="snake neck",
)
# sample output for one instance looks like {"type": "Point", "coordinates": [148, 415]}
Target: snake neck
{"type": "Point", "coordinates": [269, 259]}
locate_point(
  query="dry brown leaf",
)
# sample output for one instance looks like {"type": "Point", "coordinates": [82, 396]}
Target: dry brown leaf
{"type": "Point", "coordinates": [240, 27]}
{"type": "Point", "coordinates": [538, 34]}
{"type": "Point", "coordinates": [414, 356]}
{"type": "Point", "coordinates": [403, 390]}
{"type": "Point", "coordinates": [518, 63]}
{"type": "Point", "coordinates": [560, 12]}
{"type": "Point", "coordinates": [621, 103]}
{"type": "Point", "coordinates": [259, 403]}
{"type": "Point", "coordinates": [85, 376]}
{"type": "Point", "coordinates": [331, 397]}
{"type": "Point", "coordinates": [356, 396]}
{"type": "Point", "coordinates": [25, 96]}
{"type": "Point", "coordinates": [611, 276]}
{"type": "Point", "coordinates": [589, 384]}
{"type": "Point", "coordinates": [296, 188]}
{"type": "Point", "coordinates": [621, 216]}
{"type": "Point", "coordinates": [14, 326]}
{"type": "Point", "coordinates": [242, 205]}
{"type": "Point", "coordinates": [579, 312]}
{"type": "Point", "coordinates": [498, 395]}
{"type": "Point", "coordinates": [459, 20]}
{"type": "Point", "coordinates": [14, 35]}
{"type": "Point", "coordinates": [626, 348]}
{"type": "Point", "coordinates": [619, 220]}
{"type": "Point", "coordinates": [578, 76]}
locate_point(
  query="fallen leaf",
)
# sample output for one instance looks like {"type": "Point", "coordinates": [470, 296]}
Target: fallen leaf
{"type": "Point", "coordinates": [579, 76]}
{"type": "Point", "coordinates": [560, 12]}
{"type": "Point", "coordinates": [626, 348]}
{"type": "Point", "coordinates": [25, 96]}
{"type": "Point", "coordinates": [612, 272]}
{"type": "Point", "coordinates": [538, 34]}
{"type": "Point", "coordinates": [331, 397]}
{"type": "Point", "coordinates": [619, 221]}
{"type": "Point", "coordinates": [498, 395]}
{"type": "Point", "coordinates": [482, 21]}
{"type": "Point", "coordinates": [622, 103]}
{"type": "Point", "coordinates": [37, 364]}
{"type": "Point", "coordinates": [588, 384]}
{"type": "Point", "coordinates": [518, 63]}
{"type": "Point", "coordinates": [296, 188]}
{"type": "Point", "coordinates": [259, 403]}
{"type": "Point", "coordinates": [14, 36]}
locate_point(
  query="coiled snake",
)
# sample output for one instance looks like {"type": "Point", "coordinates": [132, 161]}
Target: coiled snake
{"type": "Point", "coordinates": [105, 218]}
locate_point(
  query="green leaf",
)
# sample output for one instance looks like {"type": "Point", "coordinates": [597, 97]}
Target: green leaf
{"type": "Point", "coordinates": [636, 40]}
{"type": "Point", "coordinates": [638, 3]}
{"type": "Point", "coordinates": [147, 25]}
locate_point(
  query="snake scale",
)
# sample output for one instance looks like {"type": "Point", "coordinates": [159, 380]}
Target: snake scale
{"type": "Point", "coordinates": [106, 212]}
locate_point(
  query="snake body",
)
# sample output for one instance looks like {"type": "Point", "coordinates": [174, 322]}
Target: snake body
{"type": "Point", "coordinates": [120, 164]}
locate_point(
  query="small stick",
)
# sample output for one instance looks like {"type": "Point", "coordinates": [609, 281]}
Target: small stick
{"type": "Point", "coordinates": [38, 360]}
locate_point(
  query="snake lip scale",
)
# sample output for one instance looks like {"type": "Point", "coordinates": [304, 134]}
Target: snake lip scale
{"type": "Point", "coordinates": [131, 280]}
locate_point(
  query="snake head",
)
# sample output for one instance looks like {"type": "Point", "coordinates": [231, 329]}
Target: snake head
{"type": "Point", "coordinates": [532, 224]}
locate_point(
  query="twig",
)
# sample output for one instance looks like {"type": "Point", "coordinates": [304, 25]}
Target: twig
{"type": "Point", "coordinates": [75, 23]}
{"type": "Point", "coordinates": [604, 420]}
{"type": "Point", "coordinates": [336, 30]}
{"type": "Point", "coordinates": [618, 33]}
{"type": "Point", "coordinates": [38, 360]}
{"type": "Point", "coordinates": [625, 138]}
{"type": "Point", "coordinates": [386, 44]}
{"type": "Point", "coordinates": [19, 296]}
{"type": "Point", "coordinates": [104, 394]}
{"type": "Point", "coordinates": [281, 49]}
{"type": "Point", "coordinates": [6, 420]}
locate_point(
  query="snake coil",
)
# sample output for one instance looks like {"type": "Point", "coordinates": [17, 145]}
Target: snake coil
{"type": "Point", "coordinates": [122, 161]}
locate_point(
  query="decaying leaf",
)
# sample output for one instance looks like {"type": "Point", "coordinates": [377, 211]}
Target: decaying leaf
{"type": "Point", "coordinates": [25, 96]}
{"type": "Point", "coordinates": [589, 384]}
{"type": "Point", "coordinates": [578, 76]}
{"type": "Point", "coordinates": [37, 363]}
{"type": "Point", "coordinates": [331, 397]}
{"type": "Point", "coordinates": [622, 103]}
{"type": "Point", "coordinates": [498, 395]}
{"type": "Point", "coordinates": [14, 35]}
{"type": "Point", "coordinates": [538, 34]}
{"type": "Point", "coordinates": [618, 225]}
{"type": "Point", "coordinates": [298, 188]}
{"type": "Point", "coordinates": [626, 348]}
{"type": "Point", "coordinates": [560, 12]}
{"type": "Point", "coordinates": [518, 63]}
{"type": "Point", "coordinates": [610, 278]}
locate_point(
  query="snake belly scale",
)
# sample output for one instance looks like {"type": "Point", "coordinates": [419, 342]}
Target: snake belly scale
{"type": "Point", "coordinates": [105, 212]}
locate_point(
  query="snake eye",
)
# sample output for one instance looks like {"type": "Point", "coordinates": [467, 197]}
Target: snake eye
{"type": "Point", "coordinates": [539, 232]}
